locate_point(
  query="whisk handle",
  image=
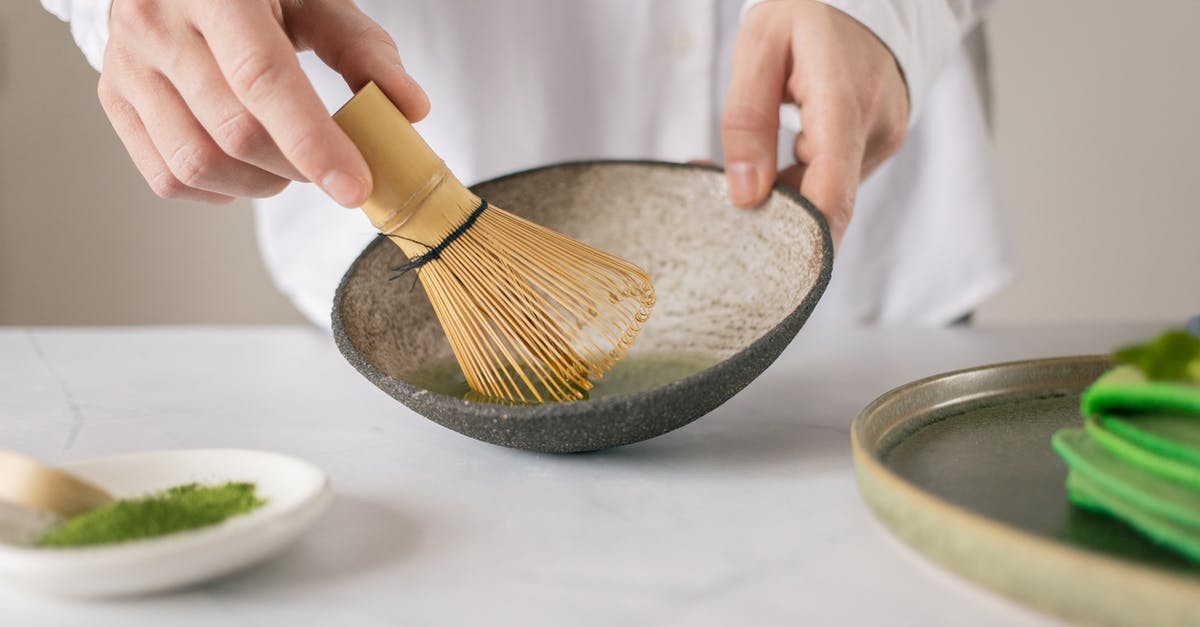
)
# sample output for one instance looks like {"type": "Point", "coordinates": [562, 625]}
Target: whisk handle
{"type": "Point", "coordinates": [404, 168]}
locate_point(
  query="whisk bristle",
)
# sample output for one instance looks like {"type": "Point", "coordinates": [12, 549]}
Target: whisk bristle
{"type": "Point", "coordinates": [532, 315]}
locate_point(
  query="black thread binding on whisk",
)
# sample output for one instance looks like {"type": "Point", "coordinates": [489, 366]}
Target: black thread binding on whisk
{"type": "Point", "coordinates": [434, 252]}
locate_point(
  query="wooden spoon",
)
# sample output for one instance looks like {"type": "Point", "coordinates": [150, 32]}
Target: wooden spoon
{"type": "Point", "coordinates": [31, 484]}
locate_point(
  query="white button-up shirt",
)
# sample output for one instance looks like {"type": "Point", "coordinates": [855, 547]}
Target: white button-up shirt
{"type": "Point", "coordinates": [520, 83]}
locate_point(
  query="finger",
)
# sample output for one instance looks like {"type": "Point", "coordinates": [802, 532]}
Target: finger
{"type": "Point", "coordinates": [260, 65]}
{"type": "Point", "coordinates": [750, 121]}
{"type": "Point", "coordinates": [196, 77]}
{"type": "Point", "coordinates": [145, 157]}
{"type": "Point", "coordinates": [191, 154]}
{"type": "Point", "coordinates": [886, 140]}
{"type": "Point", "coordinates": [360, 50]}
{"type": "Point", "coordinates": [792, 175]}
{"type": "Point", "coordinates": [831, 147]}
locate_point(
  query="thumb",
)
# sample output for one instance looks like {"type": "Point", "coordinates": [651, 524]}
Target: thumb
{"type": "Point", "coordinates": [750, 121]}
{"type": "Point", "coordinates": [359, 49]}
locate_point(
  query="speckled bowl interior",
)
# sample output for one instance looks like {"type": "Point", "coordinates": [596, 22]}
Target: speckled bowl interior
{"type": "Point", "coordinates": [733, 287]}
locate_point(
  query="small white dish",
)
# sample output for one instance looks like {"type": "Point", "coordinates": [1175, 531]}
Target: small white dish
{"type": "Point", "coordinates": [296, 492]}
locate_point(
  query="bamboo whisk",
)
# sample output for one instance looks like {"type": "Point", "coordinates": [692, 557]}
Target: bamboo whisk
{"type": "Point", "coordinates": [532, 315]}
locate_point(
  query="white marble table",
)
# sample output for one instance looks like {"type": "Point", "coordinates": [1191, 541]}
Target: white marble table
{"type": "Point", "coordinates": [748, 516]}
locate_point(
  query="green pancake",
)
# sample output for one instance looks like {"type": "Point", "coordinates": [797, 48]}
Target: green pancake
{"type": "Point", "coordinates": [1125, 390]}
{"type": "Point", "coordinates": [1145, 459]}
{"type": "Point", "coordinates": [1088, 494]}
{"type": "Point", "coordinates": [1154, 425]}
{"type": "Point", "coordinates": [1136, 489]}
{"type": "Point", "coordinates": [1137, 457]}
{"type": "Point", "coordinates": [1174, 436]}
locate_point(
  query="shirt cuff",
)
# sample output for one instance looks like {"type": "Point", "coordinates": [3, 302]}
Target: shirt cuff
{"type": "Point", "coordinates": [922, 35]}
{"type": "Point", "coordinates": [89, 25]}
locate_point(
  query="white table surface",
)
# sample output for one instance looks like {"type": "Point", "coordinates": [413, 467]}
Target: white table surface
{"type": "Point", "coordinates": [749, 516]}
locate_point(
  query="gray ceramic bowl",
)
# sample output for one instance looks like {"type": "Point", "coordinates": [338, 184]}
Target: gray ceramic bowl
{"type": "Point", "coordinates": [733, 286]}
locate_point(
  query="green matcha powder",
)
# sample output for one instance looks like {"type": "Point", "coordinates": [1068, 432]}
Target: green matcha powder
{"type": "Point", "coordinates": [181, 508]}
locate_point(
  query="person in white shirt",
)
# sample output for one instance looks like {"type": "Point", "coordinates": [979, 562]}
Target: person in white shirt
{"type": "Point", "coordinates": [212, 103]}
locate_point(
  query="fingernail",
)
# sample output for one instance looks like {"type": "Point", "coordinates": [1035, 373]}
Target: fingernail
{"type": "Point", "coordinates": [347, 190]}
{"type": "Point", "coordinates": [742, 177]}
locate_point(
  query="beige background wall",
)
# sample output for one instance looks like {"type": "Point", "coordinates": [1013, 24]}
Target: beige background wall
{"type": "Point", "coordinates": [1098, 131]}
{"type": "Point", "coordinates": [1097, 124]}
{"type": "Point", "coordinates": [82, 239]}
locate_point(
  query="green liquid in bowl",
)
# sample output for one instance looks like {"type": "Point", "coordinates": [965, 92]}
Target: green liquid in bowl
{"type": "Point", "coordinates": [635, 373]}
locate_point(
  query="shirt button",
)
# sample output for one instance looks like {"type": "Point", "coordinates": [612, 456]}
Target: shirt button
{"type": "Point", "coordinates": [681, 42]}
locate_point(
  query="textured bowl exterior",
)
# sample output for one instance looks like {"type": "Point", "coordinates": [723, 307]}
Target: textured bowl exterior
{"type": "Point", "coordinates": [735, 284]}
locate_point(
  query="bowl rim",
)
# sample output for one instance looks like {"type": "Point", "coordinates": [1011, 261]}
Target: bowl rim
{"type": "Point", "coordinates": [554, 410]}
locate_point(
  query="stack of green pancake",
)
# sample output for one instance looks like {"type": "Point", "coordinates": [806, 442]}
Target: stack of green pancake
{"type": "Point", "coordinates": [1137, 456]}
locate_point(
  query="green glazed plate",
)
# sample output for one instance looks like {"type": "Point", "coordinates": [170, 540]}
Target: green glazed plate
{"type": "Point", "coordinates": [960, 467]}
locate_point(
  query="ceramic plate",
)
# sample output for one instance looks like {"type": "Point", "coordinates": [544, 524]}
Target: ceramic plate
{"type": "Point", "coordinates": [960, 467]}
{"type": "Point", "coordinates": [296, 492]}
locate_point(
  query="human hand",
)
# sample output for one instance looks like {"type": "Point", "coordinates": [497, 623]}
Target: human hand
{"type": "Point", "coordinates": [210, 101]}
{"type": "Point", "coordinates": [850, 91]}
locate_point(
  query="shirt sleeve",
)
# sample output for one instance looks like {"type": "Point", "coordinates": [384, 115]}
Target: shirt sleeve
{"type": "Point", "coordinates": [922, 35]}
{"type": "Point", "coordinates": [89, 25]}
